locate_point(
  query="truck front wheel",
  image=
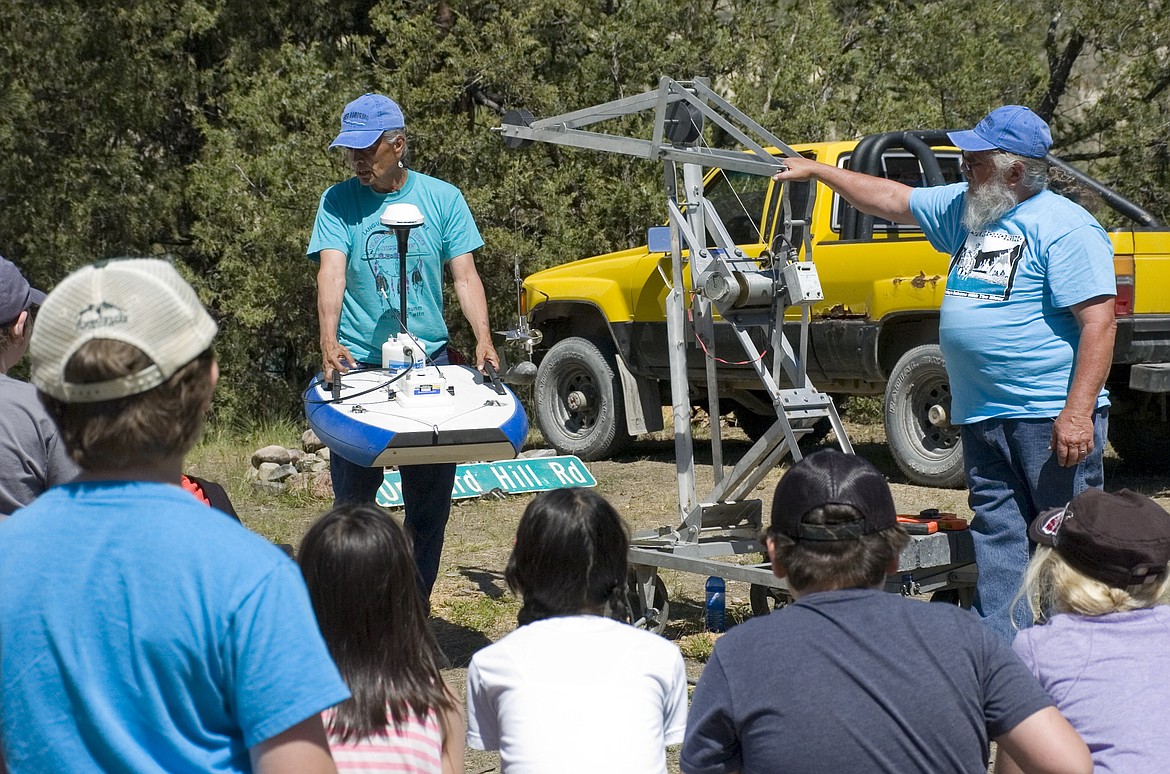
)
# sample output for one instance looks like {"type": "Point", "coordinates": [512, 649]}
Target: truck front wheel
{"type": "Point", "coordinates": [579, 403]}
{"type": "Point", "coordinates": [917, 416]}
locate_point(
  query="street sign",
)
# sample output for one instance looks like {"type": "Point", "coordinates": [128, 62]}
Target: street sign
{"type": "Point", "coordinates": [529, 474]}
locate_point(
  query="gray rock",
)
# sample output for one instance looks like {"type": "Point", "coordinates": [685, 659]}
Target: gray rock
{"type": "Point", "coordinates": [531, 453]}
{"type": "Point", "coordinates": [321, 485]}
{"type": "Point", "coordinates": [310, 442]}
{"type": "Point", "coordinates": [264, 470]}
{"type": "Point", "coordinates": [273, 453]}
{"type": "Point", "coordinates": [279, 473]}
{"type": "Point", "coordinates": [323, 453]}
{"type": "Point", "coordinates": [313, 464]}
{"type": "Point", "coordinates": [268, 487]}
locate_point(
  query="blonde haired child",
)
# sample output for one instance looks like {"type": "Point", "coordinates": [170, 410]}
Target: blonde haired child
{"type": "Point", "coordinates": [1100, 576]}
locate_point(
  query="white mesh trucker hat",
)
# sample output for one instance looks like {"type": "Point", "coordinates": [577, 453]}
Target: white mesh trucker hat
{"type": "Point", "coordinates": [139, 301]}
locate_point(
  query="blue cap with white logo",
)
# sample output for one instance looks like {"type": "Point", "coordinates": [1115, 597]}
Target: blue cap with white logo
{"type": "Point", "coordinates": [365, 119]}
{"type": "Point", "coordinates": [1011, 128]}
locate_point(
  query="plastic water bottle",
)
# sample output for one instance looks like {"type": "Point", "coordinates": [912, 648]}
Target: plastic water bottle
{"type": "Point", "coordinates": [394, 355]}
{"type": "Point", "coordinates": [716, 605]}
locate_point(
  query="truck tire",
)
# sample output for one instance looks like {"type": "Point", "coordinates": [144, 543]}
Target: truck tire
{"type": "Point", "coordinates": [917, 416]}
{"type": "Point", "coordinates": [579, 404]}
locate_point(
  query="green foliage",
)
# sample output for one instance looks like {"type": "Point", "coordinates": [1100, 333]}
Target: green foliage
{"type": "Point", "coordinates": [254, 195]}
{"type": "Point", "coordinates": [197, 129]}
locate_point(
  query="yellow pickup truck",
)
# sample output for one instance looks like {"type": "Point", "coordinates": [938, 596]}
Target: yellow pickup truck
{"type": "Point", "coordinates": [602, 355]}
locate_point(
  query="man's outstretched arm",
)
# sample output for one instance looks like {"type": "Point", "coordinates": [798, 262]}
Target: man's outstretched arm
{"type": "Point", "coordinates": [330, 293]}
{"type": "Point", "coordinates": [872, 195]}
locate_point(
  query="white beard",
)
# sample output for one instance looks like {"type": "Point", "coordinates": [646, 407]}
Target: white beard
{"type": "Point", "coordinates": [986, 204]}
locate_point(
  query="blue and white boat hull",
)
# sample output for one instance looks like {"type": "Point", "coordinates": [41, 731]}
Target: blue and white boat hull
{"type": "Point", "coordinates": [439, 414]}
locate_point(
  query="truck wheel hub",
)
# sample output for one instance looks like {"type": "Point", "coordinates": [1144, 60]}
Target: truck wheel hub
{"type": "Point", "coordinates": [577, 401]}
{"type": "Point", "coordinates": [937, 415]}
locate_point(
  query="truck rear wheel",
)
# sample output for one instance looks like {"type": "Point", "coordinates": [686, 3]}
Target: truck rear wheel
{"type": "Point", "coordinates": [1139, 432]}
{"type": "Point", "coordinates": [579, 404]}
{"type": "Point", "coordinates": [917, 416]}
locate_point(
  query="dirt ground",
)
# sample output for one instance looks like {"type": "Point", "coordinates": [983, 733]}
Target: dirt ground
{"type": "Point", "coordinates": [473, 608]}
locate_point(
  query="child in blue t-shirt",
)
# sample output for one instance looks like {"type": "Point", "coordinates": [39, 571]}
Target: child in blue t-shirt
{"type": "Point", "coordinates": [141, 631]}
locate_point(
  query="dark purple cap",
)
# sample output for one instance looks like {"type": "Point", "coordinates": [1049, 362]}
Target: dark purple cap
{"type": "Point", "coordinates": [1121, 538]}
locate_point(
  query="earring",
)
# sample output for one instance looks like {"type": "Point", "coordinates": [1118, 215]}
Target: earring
{"type": "Point", "coordinates": [400, 164]}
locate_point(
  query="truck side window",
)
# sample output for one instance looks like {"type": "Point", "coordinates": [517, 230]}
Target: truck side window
{"type": "Point", "coordinates": [903, 167]}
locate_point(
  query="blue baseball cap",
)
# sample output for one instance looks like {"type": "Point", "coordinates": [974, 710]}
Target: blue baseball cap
{"type": "Point", "coordinates": [16, 295]}
{"type": "Point", "coordinates": [364, 120]}
{"type": "Point", "coordinates": [1011, 128]}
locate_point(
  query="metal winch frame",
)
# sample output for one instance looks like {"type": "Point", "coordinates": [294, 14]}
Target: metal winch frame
{"type": "Point", "coordinates": [747, 293]}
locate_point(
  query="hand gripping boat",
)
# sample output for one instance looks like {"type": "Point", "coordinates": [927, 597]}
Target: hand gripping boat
{"type": "Point", "coordinates": [411, 412]}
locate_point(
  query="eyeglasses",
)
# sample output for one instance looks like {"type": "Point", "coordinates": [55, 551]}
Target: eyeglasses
{"type": "Point", "coordinates": [975, 159]}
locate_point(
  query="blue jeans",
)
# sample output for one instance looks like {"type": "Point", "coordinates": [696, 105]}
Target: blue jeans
{"type": "Point", "coordinates": [1012, 476]}
{"type": "Point", "coordinates": [426, 493]}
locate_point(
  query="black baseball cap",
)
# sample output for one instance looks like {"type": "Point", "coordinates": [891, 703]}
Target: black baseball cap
{"type": "Point", "coordinates": [831, 477]}
{"type": "Point", "coordinates": [1120, 538]}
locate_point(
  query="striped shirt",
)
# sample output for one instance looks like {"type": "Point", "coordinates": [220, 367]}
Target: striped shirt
{"type": "Point", "coordinates": [415, 748]}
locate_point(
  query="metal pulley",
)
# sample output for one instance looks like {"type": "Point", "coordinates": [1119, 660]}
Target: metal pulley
{"type": "Point", "coordinates": [517, 117]}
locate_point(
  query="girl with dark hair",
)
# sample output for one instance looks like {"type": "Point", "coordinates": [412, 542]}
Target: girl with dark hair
{"type": "Point", "coordinates": [572, 690]}
{"type": "Point", "coordinates": [402, 717]}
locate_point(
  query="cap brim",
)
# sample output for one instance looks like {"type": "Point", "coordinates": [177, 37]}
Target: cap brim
{"type": "Point", "coordinates": [969, 141]}
{"type": "Point", "coordinates": [36, 297]}
{"type": "Point", "coordinates": [356, 140]}
{"type": "Point", "coordinates": [1042, 530]}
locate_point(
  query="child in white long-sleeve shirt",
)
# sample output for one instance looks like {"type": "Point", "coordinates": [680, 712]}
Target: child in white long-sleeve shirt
{"type": "Point", "coordinates": [573, 690]}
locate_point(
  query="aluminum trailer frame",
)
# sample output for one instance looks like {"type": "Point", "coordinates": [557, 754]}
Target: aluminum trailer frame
{"type": "Point", "coordinates": [725, 522]}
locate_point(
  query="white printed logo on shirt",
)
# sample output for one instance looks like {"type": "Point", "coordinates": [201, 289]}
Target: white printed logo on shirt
{"type": "Point", "coordinates": [985, 266]}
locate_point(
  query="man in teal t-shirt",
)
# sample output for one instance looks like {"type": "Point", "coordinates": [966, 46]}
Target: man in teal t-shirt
{"type": "Point", "coordinates": [1026, 327]}
{"type": "Point", "coordinates": [358, 296]}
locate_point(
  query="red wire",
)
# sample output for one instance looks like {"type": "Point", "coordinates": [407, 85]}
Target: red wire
{"type": "Point", "coordinates": [703, 344]}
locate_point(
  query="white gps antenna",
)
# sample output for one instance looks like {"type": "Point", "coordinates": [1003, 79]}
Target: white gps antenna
{"type": "Point", "coordinates": [401, 218]}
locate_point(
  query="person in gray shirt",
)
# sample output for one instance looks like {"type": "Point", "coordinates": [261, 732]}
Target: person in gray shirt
{"type": "Point", "coordinates": [32, 458]}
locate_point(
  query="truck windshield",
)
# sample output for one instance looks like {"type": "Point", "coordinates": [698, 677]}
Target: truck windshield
{"type": "Point", "coordinates": [739, 199]}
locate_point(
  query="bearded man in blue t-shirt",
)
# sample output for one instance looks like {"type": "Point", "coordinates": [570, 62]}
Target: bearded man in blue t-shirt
{"type": "Point", "coordinates": [1027, 328]}
{"type": "Point", "coordinates": [357, 300]}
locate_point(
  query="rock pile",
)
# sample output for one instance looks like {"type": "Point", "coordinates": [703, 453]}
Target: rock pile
{"type": "Point", "coordinates": [278, 469]}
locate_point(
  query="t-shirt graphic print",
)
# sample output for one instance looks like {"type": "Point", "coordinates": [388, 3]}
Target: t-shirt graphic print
{"type": "Point", "coordinates": [985, 266]}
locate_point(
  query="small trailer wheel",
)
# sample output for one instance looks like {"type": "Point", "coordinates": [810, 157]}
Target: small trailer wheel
{"type": "Point", "coordinates": [649, 606]}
